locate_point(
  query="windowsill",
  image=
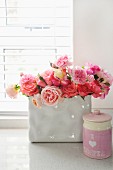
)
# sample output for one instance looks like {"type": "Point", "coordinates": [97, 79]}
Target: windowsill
{"type": "Point", "coordinates": [9, 121]}
{"type": "Point", "coordinates": [13, 122]}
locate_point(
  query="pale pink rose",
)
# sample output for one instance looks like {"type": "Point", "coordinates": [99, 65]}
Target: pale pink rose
{"type": "Point", "coordinates": [51, 95]}
{"type": "Point", "coordinates": [63, 62]}
{"type": "Point", "coordinates": [11, 91]}
{"type": "Point", "coordinates": [27, 78]}
{"type": "Point", "coordinates": [109, 78]}
{"type": "Point", "coordinates": [47, 76]}
{"type": "Point", "coordinates": [37, 100]}
{"type": "Point", "coordinates": [50, 79]}
{"type": "Point", "coordinates": [28, 85]}
{"type": "Point", "coordinates": [69, 91]}
{"type": "Point", "coordinates": [90, 78]}
{"type": "Point", "coordinates": [105, 77]}
{"type": "Point", "coordinates": [79, 75]}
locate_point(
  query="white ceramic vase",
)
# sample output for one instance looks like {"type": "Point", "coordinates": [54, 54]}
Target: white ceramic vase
{"type": "Point", "coordinates": [62, 123]}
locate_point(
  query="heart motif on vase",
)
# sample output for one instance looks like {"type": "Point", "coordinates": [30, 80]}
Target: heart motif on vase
{"type": "Point", "coordinates": [92, 143]}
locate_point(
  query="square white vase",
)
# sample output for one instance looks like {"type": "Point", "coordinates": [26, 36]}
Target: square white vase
{"type": "Point", "coordinates": [62, 123]}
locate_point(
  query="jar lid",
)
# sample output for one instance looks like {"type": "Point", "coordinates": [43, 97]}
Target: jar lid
{"type": "Point", "coordinates": [96, 116]}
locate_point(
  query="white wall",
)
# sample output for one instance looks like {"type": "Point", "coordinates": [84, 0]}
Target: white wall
{"type": "Point", "coordinates": [93, 38]}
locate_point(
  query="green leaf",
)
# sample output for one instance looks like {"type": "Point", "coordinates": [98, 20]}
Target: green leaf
{"type": "Point", "coordinates": [101, 80]}
{"type": "Point", "coordinates": [39, 88]}
{"type": "Point", "coordinates": [69, 77]}
{"type": "Point", "coordinates": [17, 87]}
{"type": "Point", "coordinates": [83, 67]}
{"type": "Point", "coordinates": [107, 84]}
{"type": "Point", "coordinates": [83, 97]}
{"type": "Point", "coordinates": [41, 78]}
{"type": "Point", "coordinates": [24, 95]}
{"type": "Point", "coordinates": [96, 77]}
{"type": "Point", "coordinates": [53, 65]}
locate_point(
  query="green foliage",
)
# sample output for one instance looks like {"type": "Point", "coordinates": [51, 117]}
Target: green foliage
{"type": "Point", "coordinates": [96, 77]}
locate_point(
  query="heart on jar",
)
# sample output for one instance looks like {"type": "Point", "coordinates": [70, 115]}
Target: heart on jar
{"type": "Point", "coordinates": [92, 143]}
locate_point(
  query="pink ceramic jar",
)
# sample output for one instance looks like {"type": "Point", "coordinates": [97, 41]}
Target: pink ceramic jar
{"type": "Point", "coordinates": [97, 135]}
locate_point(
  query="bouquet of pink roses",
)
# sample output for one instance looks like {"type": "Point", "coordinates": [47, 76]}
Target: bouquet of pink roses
{"type": "Point", "coordinates": [63, 80]}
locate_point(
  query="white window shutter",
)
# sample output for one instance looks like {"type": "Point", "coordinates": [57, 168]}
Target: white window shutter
{"type": "Point", "coordinates": [32, 33]}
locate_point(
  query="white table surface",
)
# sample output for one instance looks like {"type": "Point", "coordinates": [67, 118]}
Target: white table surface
{"type": "Point", "coordinates": [17, 153]}
{"type": "Point", "coordinates": [64, 156]}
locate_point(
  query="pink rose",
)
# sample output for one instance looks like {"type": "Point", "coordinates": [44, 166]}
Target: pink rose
{"type": "Point", "coordinates": [70, 71]}
{"type": "Point", "coordinates": [63, 62]}
{"type": "Point", "coordinates": [50, 79]}
{"type": "Point", "coordinates": [96, 89]}
{"type": "Point", "coordinates": [84, 89]}
{"type": "Point", "coordinates": [28, 85]}
{"type": "Point", "coordinates": [105, 90]}
{"type": "Point", "coordinates": [40, 83]}
{"type": "Point", "coordinates": [51, 95]}
{"type": "Point", "coordinates": [70, 90]}
{"type": "Point", "coordinates": [47, 76]}
{"type": "Point", "coordinates": [79, 75]}
{"type": "Point", "coordinates": [65, 82]}
{"type": "Point", "coordinates": [92, 69]}
{"type": "Point", "coordinates": [12, 91]}
{"type": "Point", "coordinates": [55, 81]}
{"type": "Point", "coordinates": [92, 88]}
